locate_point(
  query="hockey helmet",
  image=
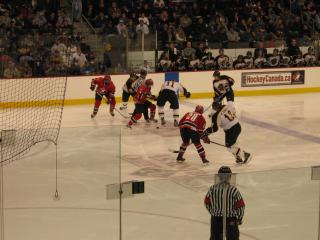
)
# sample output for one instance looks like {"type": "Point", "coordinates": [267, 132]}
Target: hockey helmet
{"type": "Point", "coordinates": [225, 174]}
{"type": "Point", "coordinates": [106, 79]}
{"type": "Point", "coordinates": [149, 82]}
{"type": "Point", "coordinates": [199, 109]}
{"type": "Point", "coordinates": [216, 74]}
{"type": "Point", "coordinates": [216, 106]}
{"type": "Point", "coordinates": [225, 169]}
{"type": "Point", "coordinates": [133, 75]}
{"type": "Point", "coordinates": [143, 73]}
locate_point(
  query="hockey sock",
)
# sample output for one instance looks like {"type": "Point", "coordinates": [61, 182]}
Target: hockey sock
{"type": "Point", "coordinates": [152, 111]}
{"type": "Point", "coordinates": [182, 149]}
{"type": "Point", "coordinates": [96, 106]}
{"type": "Point", "coordinates": [161, 112]}
{"type": "Point", "coordinates": [112, 104]}
{"type": "Point", "coordinates": [134, 119]}
{"type": "Point", "coordinates": [200, 150]}
{"type": "Point", "coordinates": [236, 151]}
{"type": "Point", "coordinates": [176, 114]}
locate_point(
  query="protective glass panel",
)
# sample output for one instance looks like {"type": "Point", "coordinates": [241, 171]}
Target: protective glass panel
{"type": "Point", "coordinates": [280, 204]}
{"type": "Point", "coordinates": [88, 160]}
{"type": "Point", "coordinates": [141, 51]}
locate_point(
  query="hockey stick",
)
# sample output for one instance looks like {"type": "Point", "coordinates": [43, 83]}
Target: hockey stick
{"type": "Point", "coordinates": [207, 108]}
{"type": "Point", "coordinates": [219, 144]}
{"type": "Point", "coordinates": [107, 102]}
{"type": "Point", "coordinates": [172, 150]}
{"type": "Point", "coordinates": [118, 111]}
{"type": "Point", "coordinates": [177, 151]}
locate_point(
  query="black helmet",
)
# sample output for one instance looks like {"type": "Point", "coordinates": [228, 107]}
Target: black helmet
{"type": "Point", "coordinates": [216, 73]}
{"type": "Point", "coordinates": [216, 106]}
{"type": "Point", "coordinates": [133, 75]}
{"type": "Point", "coordinates": [143, 72]}
{"type": "Point", "coordinates": [225, 169]}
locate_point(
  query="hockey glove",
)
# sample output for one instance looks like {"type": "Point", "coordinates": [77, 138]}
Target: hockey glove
{"type": "Point", "coordinates": [187, 95]}
{"type": "Point", "coordinates": [153, 97]}
{"type": "Point", "coordinates": [205, 139]}
{"type": "Point", "coordinates": [92, 87]}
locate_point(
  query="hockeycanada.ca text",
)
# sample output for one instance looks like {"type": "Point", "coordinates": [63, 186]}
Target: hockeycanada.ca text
{"type": "Point", "coordinates": [267, 79]}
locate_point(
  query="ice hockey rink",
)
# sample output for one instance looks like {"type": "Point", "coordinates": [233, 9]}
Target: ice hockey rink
{"type": "Point", "coordinates": [282, 133]}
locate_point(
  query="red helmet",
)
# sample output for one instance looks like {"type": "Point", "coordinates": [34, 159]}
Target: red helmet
{"type": "Point", "coordinates": [199, 109]}
{"type": "Point", "coordinates": [149, 82]}
{"type": "Point", "coordinates": [107, 79]}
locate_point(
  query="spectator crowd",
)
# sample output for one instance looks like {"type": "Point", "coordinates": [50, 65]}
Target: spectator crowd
{"type": "Point", "coordinates": [223, 21]}
{"type": "Point", "coordinates": [201, 58]}
{"type": "Point", "coordinates": [37, 37]}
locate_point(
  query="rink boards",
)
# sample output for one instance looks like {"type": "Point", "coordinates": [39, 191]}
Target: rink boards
{"type": "Point", "coordinates": [247, 83]}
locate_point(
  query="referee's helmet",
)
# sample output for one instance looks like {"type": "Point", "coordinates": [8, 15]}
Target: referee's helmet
{"type": "Point", "coordinates": [224, 174]}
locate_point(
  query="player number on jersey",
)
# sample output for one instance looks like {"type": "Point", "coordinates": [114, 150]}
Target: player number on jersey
{"type": "Point", "coordinates": [230, 115]}
{"type": "Point", "coordinates": [192, 117]}
{"type": "Point", "coordinates": [170, 83]}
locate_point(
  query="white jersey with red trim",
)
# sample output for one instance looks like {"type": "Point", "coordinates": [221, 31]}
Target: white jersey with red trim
{"type": "Point", "coordinates": [173, 86]}
{"type": "Point", "coordinates": [226, 117]}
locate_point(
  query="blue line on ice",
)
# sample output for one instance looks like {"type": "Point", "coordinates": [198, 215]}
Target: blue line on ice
{"type": "Point", "coordinates": [280, 129]}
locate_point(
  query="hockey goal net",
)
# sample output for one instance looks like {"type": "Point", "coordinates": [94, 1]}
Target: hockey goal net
{"type": "Point", "coordinates": [30, 112]}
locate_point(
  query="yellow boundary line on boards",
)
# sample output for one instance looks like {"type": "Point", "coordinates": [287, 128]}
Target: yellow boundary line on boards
{"type": "Point", "coordinates": [244, 93]}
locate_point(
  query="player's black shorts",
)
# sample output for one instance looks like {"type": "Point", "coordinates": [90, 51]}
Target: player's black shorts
{"type": "Point", "coordinates": [188, 134]}
{"type": "Point", "coordinates": [99, 96]}
{"type": "Point", "coordinates": [141, 108]}
{"type": "Point", "coordinates": [126, 96]}
{"type": "Point", "coordinates": [170, 96]}
{"type": "Point", "coordinates": [232, 135]}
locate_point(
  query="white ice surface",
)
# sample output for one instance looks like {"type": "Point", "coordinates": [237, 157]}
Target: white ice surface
{"type": "Point", "coordinates": [282, 132]}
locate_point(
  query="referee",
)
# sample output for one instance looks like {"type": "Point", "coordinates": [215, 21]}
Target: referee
{"type": "Point", "coordinates": [234, 207]}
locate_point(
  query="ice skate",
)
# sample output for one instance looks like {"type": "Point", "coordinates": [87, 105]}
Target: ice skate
{"type": "Point", "coordinates": [163, 122]}
{"type": "Point", "coordinates": [123, 107]}
{"type": "Point", "coordinates": [205, 162]}
{"type": "Point", "coordinates": [180, 159]}
{"type": "Point", "coordinates": [247, 157]}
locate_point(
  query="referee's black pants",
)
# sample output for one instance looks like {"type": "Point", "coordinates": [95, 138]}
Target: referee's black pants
{"type": "Point", "coordinates": [232, 231]}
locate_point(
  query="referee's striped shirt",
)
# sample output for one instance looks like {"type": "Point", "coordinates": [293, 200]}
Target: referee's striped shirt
{"type": "Point", "coordinates": [234, 201]}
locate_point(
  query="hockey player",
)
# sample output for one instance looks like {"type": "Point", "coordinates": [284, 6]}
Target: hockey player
{"type": "Point", "coordinates": [169, 92]}
{"type": "Point", "coordinates": [104, 87]}
{"type": "Point", "coordinates": [142, 104]}
{"type": "Point", "coordinates": [192, 126]}
{"type": "Point", "coordinates": [127, 90]}
{"type": "Point", "coordinates": [226, 118]}
{"type": "Point", "coordinates": [222, 86]}
{"type": "Point", "coordinates": [141, 79]}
